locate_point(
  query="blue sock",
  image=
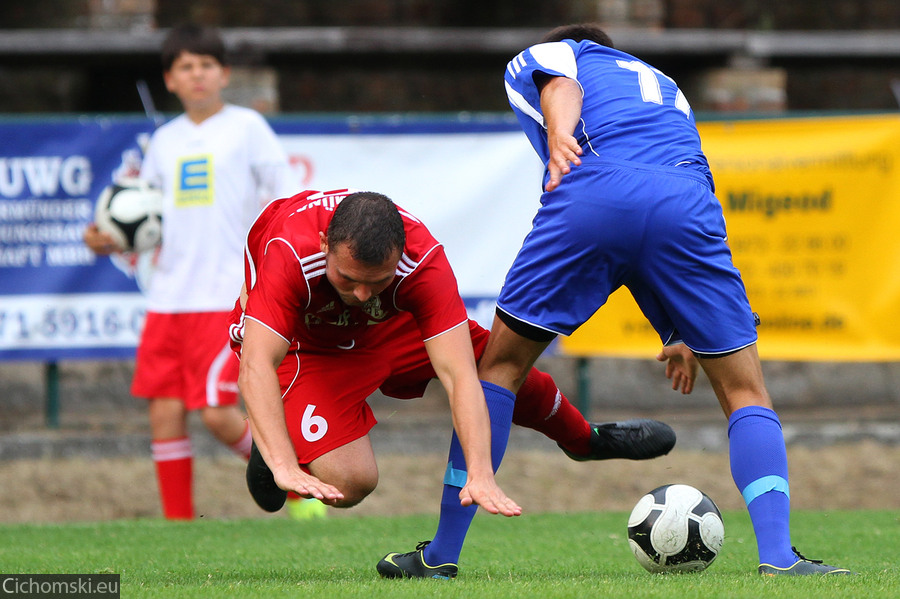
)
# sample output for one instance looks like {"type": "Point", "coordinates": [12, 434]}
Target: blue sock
{"type": "Point", "coordinates": [759, 468]}
{"type": "Point", "coordinates": [455, 519]}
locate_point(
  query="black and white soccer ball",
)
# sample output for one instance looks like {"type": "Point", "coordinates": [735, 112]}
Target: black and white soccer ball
{"type": "Point", "coordinates": [675, 528]}
{"type": "Point", "coordinates": [131, 212]}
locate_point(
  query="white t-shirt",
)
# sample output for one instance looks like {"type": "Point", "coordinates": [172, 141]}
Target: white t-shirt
{"type": "Point", "coordinates": [216, 176]}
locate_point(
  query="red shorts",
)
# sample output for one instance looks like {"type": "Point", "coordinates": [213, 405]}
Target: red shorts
{"type": "Point", "coordinates": [325, 390]}
{"type": "Point", "coordinates": [187, 357]}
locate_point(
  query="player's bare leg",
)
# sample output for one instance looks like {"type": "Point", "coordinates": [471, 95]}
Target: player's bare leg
{"type": "Point", "coordinates": [226, 423]}
{"type": "Point", "coordinates": [508, 357]}
{"type": "Point", "coordinates": [737, 380]}
{"type": "Point", "coordinates": [229, 425]}
{"type": "Point", "coordinates": [168, 418]}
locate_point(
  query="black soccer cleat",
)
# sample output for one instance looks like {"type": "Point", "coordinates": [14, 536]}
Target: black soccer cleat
{"type": "Point", "coordinates": [802, 567]}
{"type": "Point", "coordinates": [637, 439]}
{"type": "Point", "coordinates": [261, 483]}
{"type": "Point", "coordinates": [412, 565]}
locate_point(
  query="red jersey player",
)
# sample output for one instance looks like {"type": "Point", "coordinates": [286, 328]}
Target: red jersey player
{"type": "Point", "coordinates": [345, 294]}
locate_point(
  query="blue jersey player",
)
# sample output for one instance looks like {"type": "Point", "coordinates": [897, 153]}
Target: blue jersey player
{"type": "Point", "coordinates": [628, 200]}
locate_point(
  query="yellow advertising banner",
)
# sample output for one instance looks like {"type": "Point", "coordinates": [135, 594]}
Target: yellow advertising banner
{"type": "Point", "coordinates": [813, 213]}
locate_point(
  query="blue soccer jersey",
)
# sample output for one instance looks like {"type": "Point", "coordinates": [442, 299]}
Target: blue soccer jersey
{"type": "Point", "coordinates": [638, 211]}
{"type": "Point", "coordinates": [626, 103]}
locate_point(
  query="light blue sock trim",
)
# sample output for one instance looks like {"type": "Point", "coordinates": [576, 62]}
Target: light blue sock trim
{"type": "Point", "coordinates": [764, 485]}
{"type": "Point", "coordinates": [454, 477]}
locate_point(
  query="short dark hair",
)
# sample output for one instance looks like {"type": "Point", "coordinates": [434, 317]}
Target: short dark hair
{"type": "Point", "coordinates": [370, 224]}
{"type": "Point", "coordinates": [579, 32]}
{"type": "Point", "coordinates": [193, 38]}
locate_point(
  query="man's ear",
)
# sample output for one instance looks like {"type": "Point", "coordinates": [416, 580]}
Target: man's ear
{"type": "Point", "coordinates": [167, 79]}
{"type": "Point", "coordinates": [323, 242]}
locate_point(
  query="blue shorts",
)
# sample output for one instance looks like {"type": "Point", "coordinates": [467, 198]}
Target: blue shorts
{"type": "Point", "coordinates": [659, 231]}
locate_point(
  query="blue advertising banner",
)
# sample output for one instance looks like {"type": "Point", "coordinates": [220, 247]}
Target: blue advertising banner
{"type": "Point", "coordinates": [461, 174]}
{"type": "Point", "coordinates": [57, 299]}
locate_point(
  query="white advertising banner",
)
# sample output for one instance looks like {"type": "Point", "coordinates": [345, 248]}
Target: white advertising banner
{"type": "Point", "coordinates": [35, 322]}
{"type": "Point", "coordinates": [476, 192]}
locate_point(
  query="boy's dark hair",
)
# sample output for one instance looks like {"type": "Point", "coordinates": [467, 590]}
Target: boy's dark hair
{"type": "Point", "coordinates": [579, 32]}
{"type": "Point", "coordinates": [370, 224]}
{"type": "Point", "coordinates": [193, 38]}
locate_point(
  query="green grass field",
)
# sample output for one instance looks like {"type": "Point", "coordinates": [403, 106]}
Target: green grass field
{"type": "Point", "coordinates": [543, 555]}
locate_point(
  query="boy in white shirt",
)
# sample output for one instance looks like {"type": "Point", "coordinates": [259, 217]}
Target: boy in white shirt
{"type": "Point", "coordinates": [217, 165]}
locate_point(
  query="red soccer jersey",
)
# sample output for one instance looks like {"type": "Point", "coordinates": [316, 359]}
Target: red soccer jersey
{"type": "Point", "coordinates": [284, 270]}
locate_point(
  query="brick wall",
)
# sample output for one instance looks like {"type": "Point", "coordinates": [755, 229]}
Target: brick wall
{"type": "Point", "coordinates": [800, 15]}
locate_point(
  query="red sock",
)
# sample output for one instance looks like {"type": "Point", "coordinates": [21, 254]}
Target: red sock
{"type": "Point", "coordinates": [174, 470]}
{"type": "Point", "coordinates": [242, 445]}
{"type": "Point", "coordinates": [540, 405]}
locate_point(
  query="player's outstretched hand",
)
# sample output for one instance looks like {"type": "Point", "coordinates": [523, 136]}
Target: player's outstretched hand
{"type": "Point", "coordinates": [307, 485]}
{"type": "Point", "coordinates": [681, 366]}
{"type": "Point", "coordinates": [489, 496]}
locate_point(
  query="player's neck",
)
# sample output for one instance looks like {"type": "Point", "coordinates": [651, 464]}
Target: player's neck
{"type": "Point", "coordinates": [199, 113]}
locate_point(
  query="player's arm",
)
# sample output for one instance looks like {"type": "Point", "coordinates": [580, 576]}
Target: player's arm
{"type": "Point", "coordinates": [561, 101]}
{"type": "Point", "coordinates": [454, 362]}
{"type": "Point", "coordinates": [261, 353]}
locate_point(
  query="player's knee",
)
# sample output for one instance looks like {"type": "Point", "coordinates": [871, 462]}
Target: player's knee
{"type": "Point", "coordinates": [353, 497]}
{"type": "Point", "coordinates": [167, 419]}
{"type": "Point", "coordinates": [217, 420]}
{"type": "Point", "coordinates": [349, 501]}
{"type": "Point", "coordinates": [357, 489]}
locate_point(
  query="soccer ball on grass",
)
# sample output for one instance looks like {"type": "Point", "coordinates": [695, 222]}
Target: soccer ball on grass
{"type": "Point", "coordinates": [675, 528]}
{"type": "Point", "coordinates": [130, 211]}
